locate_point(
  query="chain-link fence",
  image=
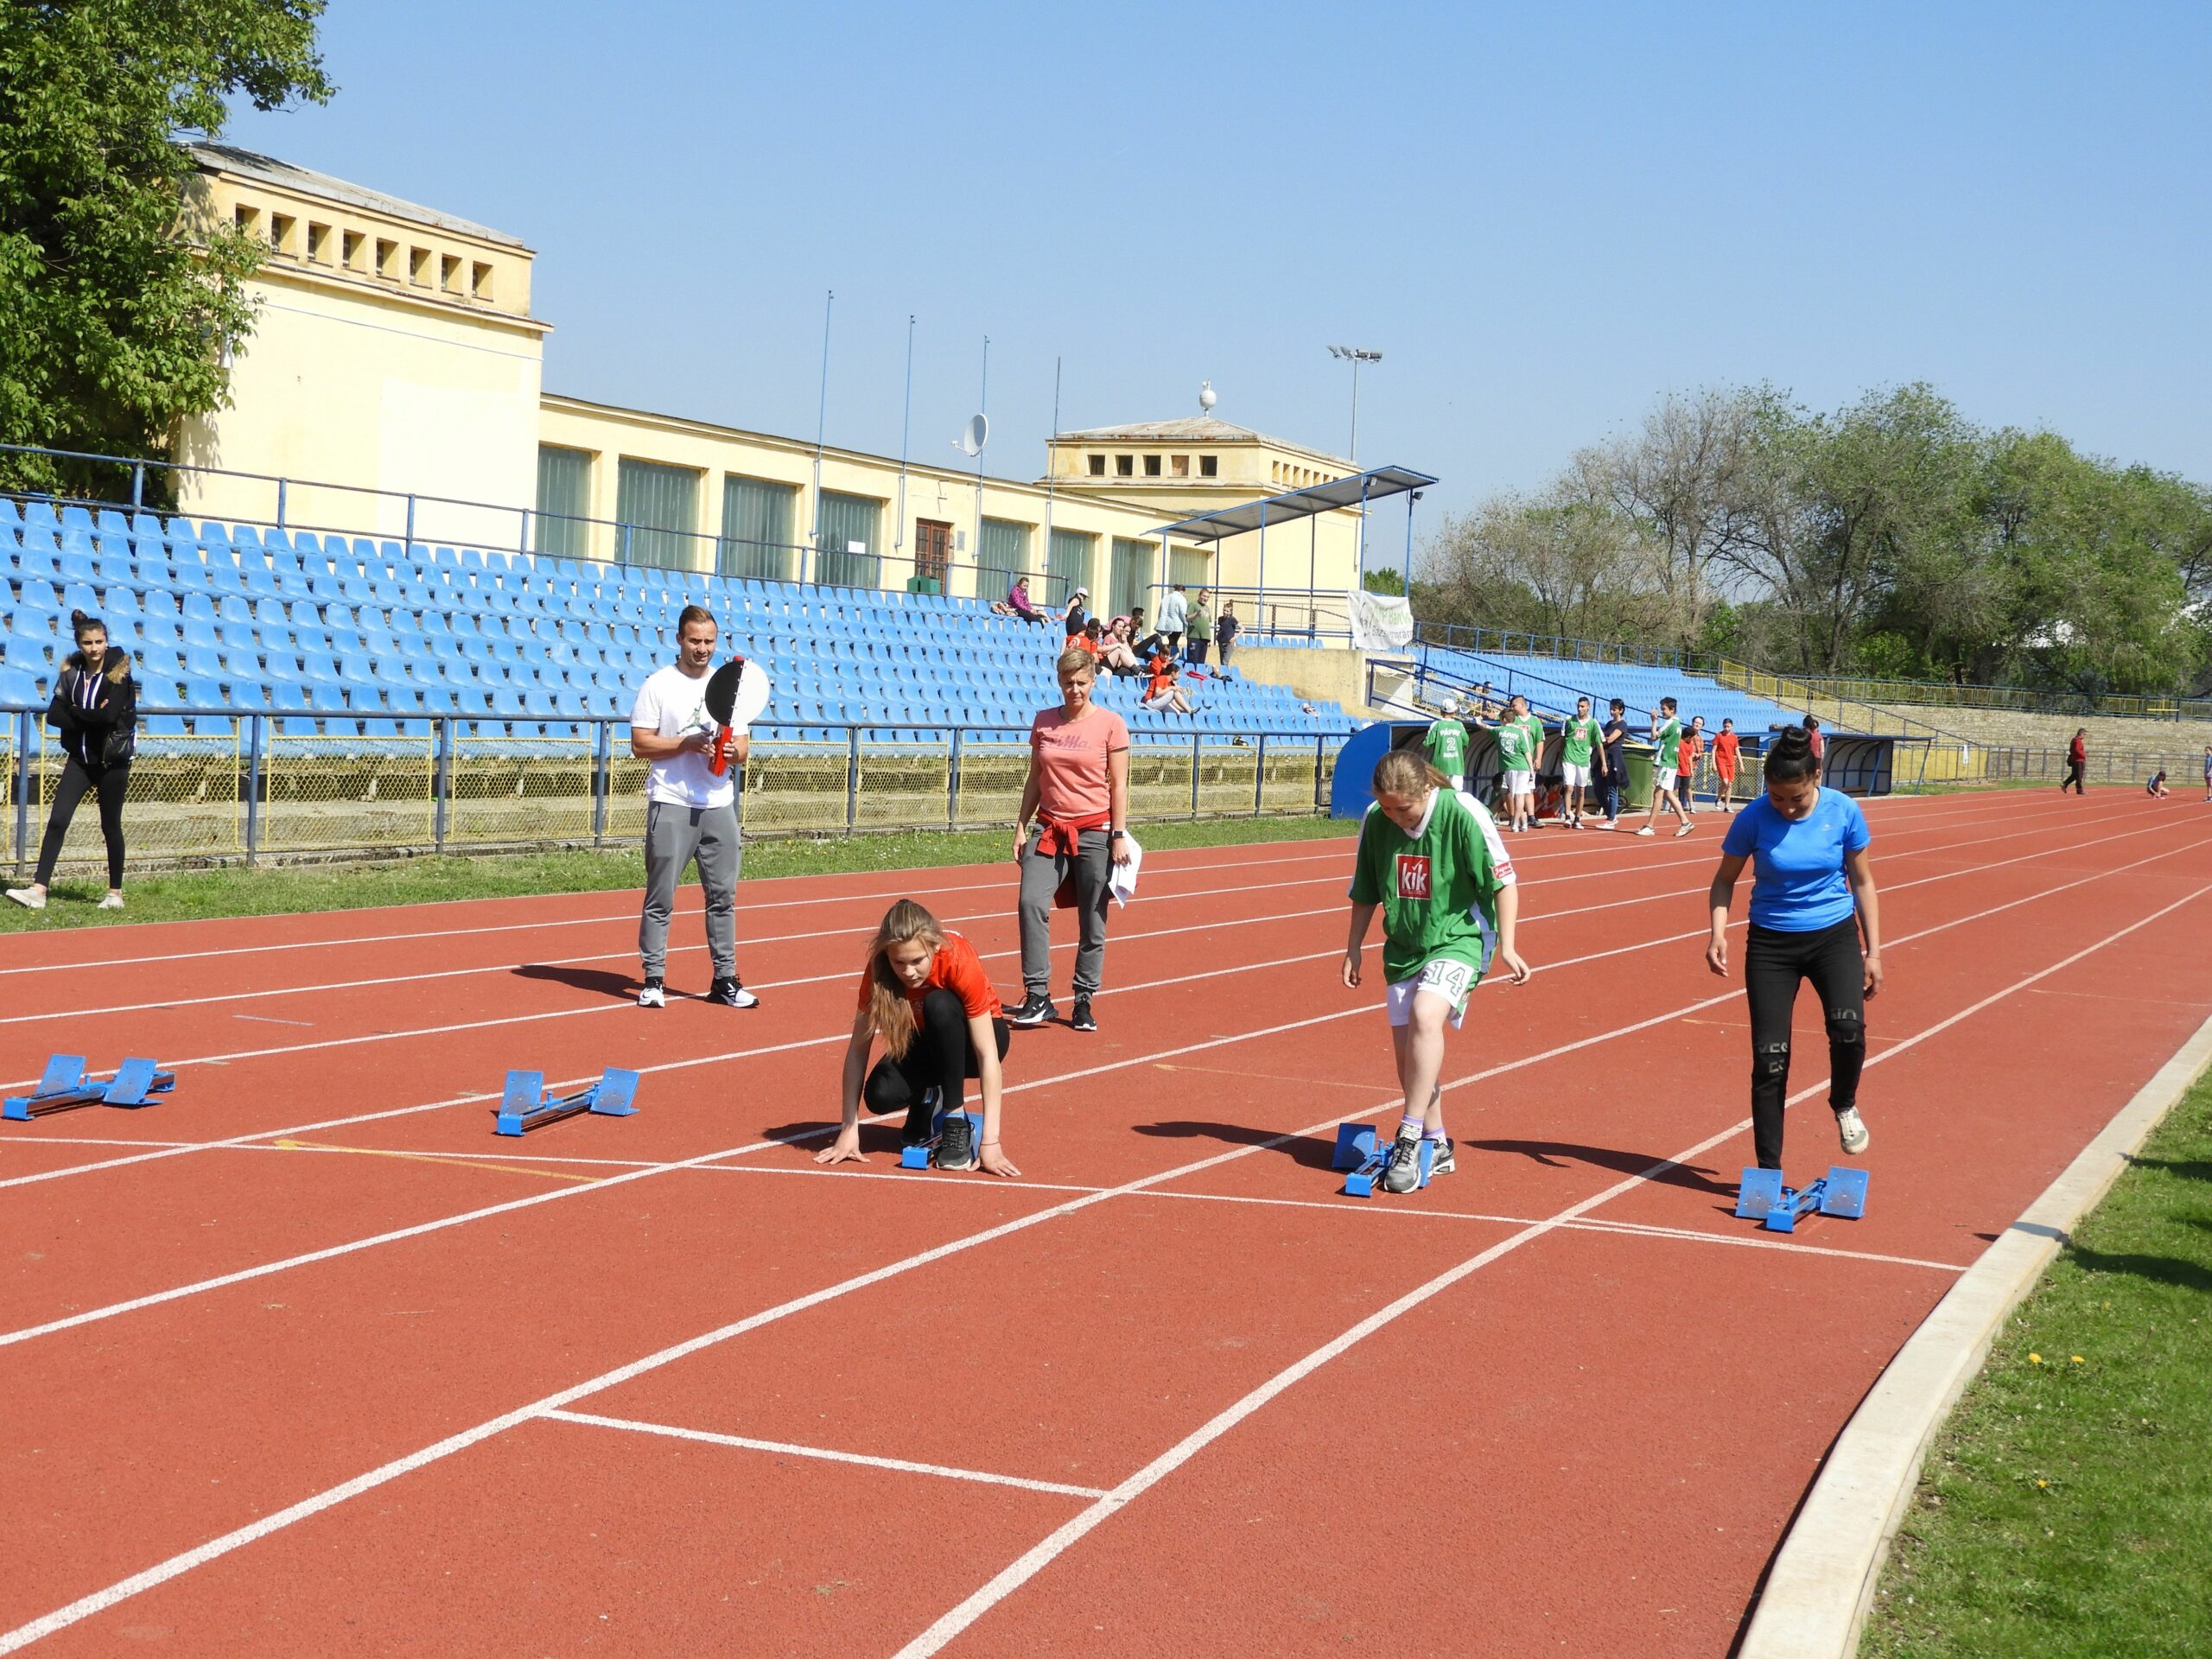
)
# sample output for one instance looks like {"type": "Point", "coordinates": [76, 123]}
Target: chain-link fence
{"type": "Point", "coordinates": [236, 785]}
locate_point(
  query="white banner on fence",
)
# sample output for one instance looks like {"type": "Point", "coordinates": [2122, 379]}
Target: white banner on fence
{"type": "Point", "coordinates": [1381, 621]}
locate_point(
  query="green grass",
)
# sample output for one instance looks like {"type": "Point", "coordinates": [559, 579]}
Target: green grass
{"type": "Point", "coordinates": [2066, 1509]}
{"type": "Point", "coordinates": [276, 890]}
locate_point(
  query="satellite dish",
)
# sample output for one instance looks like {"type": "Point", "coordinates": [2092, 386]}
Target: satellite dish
{"type": "Point", "coordinates": [972, 438]}
{"type": "Point", "coordinates": [1207, 396]}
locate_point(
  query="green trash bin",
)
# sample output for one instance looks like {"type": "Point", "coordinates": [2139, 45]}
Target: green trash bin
{"type": "Point", "coordinates": [1637, 795]}
{"type": "Point", "coordinates": [924, 585]}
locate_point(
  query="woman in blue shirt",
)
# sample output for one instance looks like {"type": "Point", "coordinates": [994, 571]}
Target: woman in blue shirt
{"type": "Point", "coordinates": [1814, 915]}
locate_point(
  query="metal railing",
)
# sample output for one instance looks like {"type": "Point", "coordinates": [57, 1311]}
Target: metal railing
{"type": "Point", "coordinates": [2012, 699]}
{"type": "Point", "coordinates": [243, 785]}
{"type": "Point", "coordinates": [1508, 642]}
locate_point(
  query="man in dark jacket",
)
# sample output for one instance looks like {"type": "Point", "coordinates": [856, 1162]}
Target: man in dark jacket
{"type": "Point", "coordinates": [95, 711]}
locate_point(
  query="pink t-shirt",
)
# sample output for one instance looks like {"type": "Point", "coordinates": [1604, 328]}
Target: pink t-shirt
{"type": "Point", "coordinates": [1070, 761]}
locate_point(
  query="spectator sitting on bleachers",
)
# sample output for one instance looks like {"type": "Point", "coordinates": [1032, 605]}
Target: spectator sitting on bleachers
{"type": "Point", "coordinates": [1162, 696]}
{"type": "Point", "coordinates": [1074, 616]}
{"type": "Point", "coordinates": [1092, 639]}
{"type": "Point", "coordinates": [1116, 651]}
{"type": "Point", "coordinates": [1018, 602]}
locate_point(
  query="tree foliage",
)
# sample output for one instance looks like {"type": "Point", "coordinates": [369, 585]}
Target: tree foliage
{"type": "Point", "coordinates": [116, 317]}
{"type": "Point", "coordinates": [1892, 536]}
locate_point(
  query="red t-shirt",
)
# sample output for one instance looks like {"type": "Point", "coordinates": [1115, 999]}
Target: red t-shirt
{"type": "Point", "coordinates": [1693, 747]}
{"type": "Point", "coordinates": [1163, 677]}
{"type": "Point", "coordinates": [1072, 783]}
{"type": "Point", "coordinates": [955, 969]}
{"type": "Point", "coordinates": [1724, 753]}
{"type": "Point", "coordinates": [1819, 742]}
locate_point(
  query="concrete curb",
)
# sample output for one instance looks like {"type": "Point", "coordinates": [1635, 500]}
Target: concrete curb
{"type": "Point", "coordinates": [1822, 1585]}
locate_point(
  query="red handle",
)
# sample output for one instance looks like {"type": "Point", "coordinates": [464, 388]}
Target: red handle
{"type": "Point", "coordinates": [720, 763]}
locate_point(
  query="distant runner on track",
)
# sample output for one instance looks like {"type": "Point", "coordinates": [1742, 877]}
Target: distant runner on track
{"type": "Point", "coordinates": [1814, 915]}
{"type": "Point", "coordinates": [1431, 860]}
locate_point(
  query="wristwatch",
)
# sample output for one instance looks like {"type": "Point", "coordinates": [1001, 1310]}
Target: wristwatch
{"type": "Point", "coordinates": [1117, 835]}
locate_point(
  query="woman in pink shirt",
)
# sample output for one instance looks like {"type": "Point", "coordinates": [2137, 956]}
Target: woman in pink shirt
{"type": "Point", "coordinates": [1078, 796]}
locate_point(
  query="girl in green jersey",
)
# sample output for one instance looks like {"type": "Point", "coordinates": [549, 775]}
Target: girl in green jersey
{"type": "Point", "coordinates": [1432, 862]}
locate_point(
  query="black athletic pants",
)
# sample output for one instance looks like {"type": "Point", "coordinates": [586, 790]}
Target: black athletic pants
{"type": "Point", "coordinates": [940, 1056]}
{"type": "Point", "coordinates": [2073, 778]}
{"type": "Point", "coordinates": [109, 783]}
{"type": "Point", "coordinates": [1774, 963]}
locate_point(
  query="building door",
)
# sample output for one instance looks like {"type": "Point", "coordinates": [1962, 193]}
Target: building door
{"type": "Point", "coordinates": [932, 548]}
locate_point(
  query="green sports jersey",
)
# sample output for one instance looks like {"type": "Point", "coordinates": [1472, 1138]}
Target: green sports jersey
{"type": "Point", "coordinates": [1447, 744]}
{"type": "Point", "coordinates": [1670, 740]}
{"type": "Point", "coordinates": [1513, 746]}
{"type": "Point", "coordinates": [1438, 888]}
{"type": "Point", "coordinates": [1580, 734]}
{"type": "Point", "coordinates": [1536, 739]}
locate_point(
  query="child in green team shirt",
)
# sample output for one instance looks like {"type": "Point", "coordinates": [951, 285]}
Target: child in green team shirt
{"type": "Point", "coordinates": [1520, 741]}
{"type": "Point", "coordinates": [1578, 741]}
{"type": "Point", "coordinates": [1432, 862]}
{"type": "Point", "coordinates": [1666, 734]}
{"type": "Point", "coordinates": [1447, 744]}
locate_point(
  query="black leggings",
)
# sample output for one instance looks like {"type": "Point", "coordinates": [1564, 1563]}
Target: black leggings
{"type": "Point", "coordinates": [2072, 780]}
{"type": "Point", "coordinates": [1774, 963]}
{"type": "Point", "coordinates": [110, 783]}
{"type": "Point", "coordinates": [940, 1056]}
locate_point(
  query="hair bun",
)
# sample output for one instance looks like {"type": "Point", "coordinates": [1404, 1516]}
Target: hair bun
{"type": "Point", "coordinates": [78, 618]}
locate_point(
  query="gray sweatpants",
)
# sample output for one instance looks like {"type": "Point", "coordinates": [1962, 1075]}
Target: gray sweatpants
{"type": "Point", "coordinates": [1041, 876]}
{"type": "Point", "coordinates": [674, 836]}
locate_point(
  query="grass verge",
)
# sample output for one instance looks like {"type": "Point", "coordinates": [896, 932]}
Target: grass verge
{"type": "Point", "coordinates": [192, 895]}
{"type": "Point", "coordinates": [2066, 1509]}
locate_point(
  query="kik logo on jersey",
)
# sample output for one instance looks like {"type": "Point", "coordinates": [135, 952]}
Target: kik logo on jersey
{"type": "Point", "coordinates": [1412, 876]}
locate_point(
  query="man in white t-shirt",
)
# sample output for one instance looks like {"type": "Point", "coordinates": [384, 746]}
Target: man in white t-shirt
{"type": "Point", "coordinates": [689, 812]}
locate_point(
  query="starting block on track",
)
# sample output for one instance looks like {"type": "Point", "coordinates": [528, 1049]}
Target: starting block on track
{"type": "Point", "coordinates": [64, 1085]}
{"type": "Point", "coordinates": [917, 1157]}
{"type": "Point", "coordinates": [1763, 1198]}
{"type": "Point", "coordinates": [526, 1105]}
{"type": "Point", "coordinates": [1362, 1150]}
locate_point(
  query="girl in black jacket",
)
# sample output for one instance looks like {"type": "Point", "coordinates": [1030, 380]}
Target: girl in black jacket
{"type": "Point", "coordinates": [95, 711]}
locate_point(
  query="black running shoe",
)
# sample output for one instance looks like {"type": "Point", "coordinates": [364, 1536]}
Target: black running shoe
{"type": "Point", "coordinates": [731, 995]}
{"type": "Point", "coordinates": [1082, 1020]}
{"type": "Point", "coordinates": [956, 1142]}
{"type": "Point", "coordinates": [1036, 1009]}
{"type": "Point", "coordinates": [1402, 1166]}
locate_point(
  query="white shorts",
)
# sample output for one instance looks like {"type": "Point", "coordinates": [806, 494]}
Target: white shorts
{"type": "Point", "coordinates": [1520, 783]}
{"type": "Point", "coordinates": [1663, 783]}
{"type": "Point", "coordinates": [1452, 980]}
{"type": "Point", "coordinates": [1574, 777]}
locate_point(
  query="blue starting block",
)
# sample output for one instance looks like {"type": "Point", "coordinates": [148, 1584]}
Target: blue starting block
{"type": "Point", "coordinates": [1763, 1198]}
{"type": "Point", "coordinates": [64, 1085]}
{"type": "Point", "coordinates": [1362, 1149]}
{"type": "Point", "coordinates": [917, 1157]}
{"type": "Point", "coordinates": [526, 1106]}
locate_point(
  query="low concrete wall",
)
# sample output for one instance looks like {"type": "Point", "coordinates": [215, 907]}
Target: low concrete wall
{"type": "Point", "coordinates": [1322, 674]}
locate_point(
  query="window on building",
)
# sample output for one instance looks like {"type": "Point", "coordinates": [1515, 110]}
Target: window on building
{"type": "Point", "coordinates": [1003, 555]}
{"type": "Point", "coordinates": [1125, 466]}
{"type": "Point", "coordinates": [418, 267]}
{"type": "Point", "coordinates": [1178, 466]}
{"type": "Point", "coordinates": [563, 503]}
{"type": "Point", "coordinates": [349, 249]}
{"type": "Point", "coordinates": [847, 523]}
{"type": "Point", "coordinates": [388, 259]}
{"type": "Point", "coordinates": [281, 239]}
{"type": "Point", "coordinates": [449, 273]}
{"type": "Point", "coordinates": [657, 507]}
{"type": "Point", "coordinates": [1152, 466]}
{"type": "Point", "coordinates": [247, 219]}
{"type": "Point", "coordinates": [1067, 563]}
{"type": "Point", "coordinates": [757, 542]}
{"type": "Point", "coordinates": [1130, 582]}
{"type": "Point", "coordinates": [318, 243]}
{"type": "Point", "coordinates": [1190, 566]}
{"type": "Point", "coordinates": [1097, 465]}
{"type": "Point", "coordinates": [1209, 465]}
{"type": "Point", "coordinates": [480, 281]}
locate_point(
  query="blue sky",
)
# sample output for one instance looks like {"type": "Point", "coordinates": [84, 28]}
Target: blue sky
{"type": "Point", "coordinates": [1544, 217]}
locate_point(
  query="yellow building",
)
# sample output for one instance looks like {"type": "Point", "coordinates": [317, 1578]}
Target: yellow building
{"type": "Point", "coordinates": [393, 383]}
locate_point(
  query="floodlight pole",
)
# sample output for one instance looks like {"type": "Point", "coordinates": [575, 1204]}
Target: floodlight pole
{"type": "Point", "coordinates": [821, 421]}
{"type": "Point", "coordinates": [906, 426]}
{"type": "Point", "coordinates": [982, 408]}
{"type": "Point", "coordinates": [1355, 355]}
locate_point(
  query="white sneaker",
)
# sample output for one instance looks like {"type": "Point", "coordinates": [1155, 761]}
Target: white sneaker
{"type": "Point", "coordinates": [1852, 1129]}
{"type": "Point", "coordinates": [1684, 830]}
{"type": "Point", "coordinates": [1647, 831]}
{"type": "Point", "coordinates": [113, 901]}
{"type": "Point", "coordinates": [29, 898]}
{"type": "Point", "coordinates": [652, 994]}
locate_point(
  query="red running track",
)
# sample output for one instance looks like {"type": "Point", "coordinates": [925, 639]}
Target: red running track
{"type": "Point", "coordinates": [304, 1360]}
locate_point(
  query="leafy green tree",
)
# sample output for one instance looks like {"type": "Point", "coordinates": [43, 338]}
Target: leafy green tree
{"type": "Point", "coordinates": [116, 317]}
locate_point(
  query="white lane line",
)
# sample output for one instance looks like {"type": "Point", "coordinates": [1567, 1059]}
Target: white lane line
{"type": "Point", "coordinates": [917, 887]}
{"type": "Point", "coordinates": [593, 1420]}
{"type": "Point", "coordinates": [1057, 1543]}
{"type": "Point", "coordinates": [99, 1601]}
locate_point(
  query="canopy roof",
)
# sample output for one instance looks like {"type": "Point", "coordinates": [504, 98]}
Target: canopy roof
{"type": "Point", "coordinates": [1354, 491]}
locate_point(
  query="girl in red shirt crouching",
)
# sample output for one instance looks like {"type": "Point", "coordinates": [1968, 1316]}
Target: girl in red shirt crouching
{"type": "Point", "coordinates": [924, 994]}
